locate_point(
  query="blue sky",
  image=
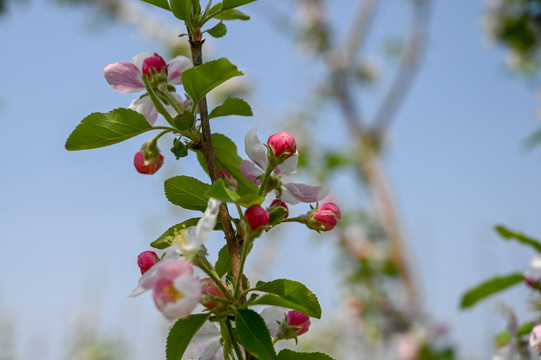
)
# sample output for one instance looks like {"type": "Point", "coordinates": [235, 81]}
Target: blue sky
{"type": "Point", "coordinates": [72, 223]}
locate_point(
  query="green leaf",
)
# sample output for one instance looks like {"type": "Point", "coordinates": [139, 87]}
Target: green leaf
{"type": "Point", "coordinates": [164, 240]}
{"type": "Point", "coordinates": [254, 335]}
{"type": "Point", "coordinates": [184, 121]}
{"type": "Point", "coordinates": [218, 31]}
{"type": "Point", "coordinates": [182, 333]}
{"type": "Point", "coordinates": [249, 200]}
{"type": "Point", "coordinates": [509, 234]}
{"type": "Point", "coordinates": [232, 106]}
{"type": "Point", "coordinates": [287, 354]}
{"type": "Point", "coordinates": [231, 14]}
{"type": "Point", "coordinates": [290, 294]}
{"type": "Point", "coordinates": [488, 288]}
{"type": "Point", "coordinates": [227, 159]}
{"type": "Point", "coordinates": [201, 79]}
{"type": "Point", "coordinates": [182, 9]}
{"type": "Point", "coordinates": [223, 264]}
{"type": "Point", "coordinates": [187, 192]}
{"type": "Point", "coordinates": [100, 129]}
{"type": "Point", "coordinates": [179, 148]}
{"type": "Point", "coordinates": [160, 3]}
{"type": "Point", "coordinates": [219, 191]}
{"type": "Point", "coordinates": [229, 4]}
{"type": "Point", "coordinates": [277, 215]}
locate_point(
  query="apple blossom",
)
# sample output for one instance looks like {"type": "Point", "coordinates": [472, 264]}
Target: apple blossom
{"type": "Point", "coordinates": [289, 192]}
{"type": "Point", "coordinates": [284, 324]}
{"type": "Point", "coordinates": [154, 63]}
{"type": "Point", "coordinates": [256, 217]}
{"type": "Point", "coordinates": [532, 275]}
{"type": "Point", "coordinates": [146, 260]}
{"type": "Point", "coordinates": [128, 78]}
{"type": "Point", "coordinates": [535, 338]}
{"type": "Point", "coordinates": [325, 217]}
{"type": "Point", "coordinates": [148, 165]}
{"type": "Point", "coordinates": [210, 288]}
{"type": "Point", "coordinates": [282, 145]}
{"type": "Point", "coordinates": [296, 319]}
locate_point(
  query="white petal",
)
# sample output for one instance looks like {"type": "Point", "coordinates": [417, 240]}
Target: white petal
{"type": "Point", "coordinates": [272, 317]}
{"type": "Point", "coordinates": [144, 105]}
{"type": "Point", "coordinates": [124, 77]}
{"type": "Point", "coordinates": [140, 58]}
{"type": "Point", "coordinates": [211, 351]}
{"type": "Point", "coordinates": [255, 149]}
{"type": "Point", "coordinates": [289, 167]}
{"type": "Point", "coordinates": [190, 288]}
{"type": "Point", "coordinates": [302, 192]}
{"type": "Point", "coordinates": [250, 171]}
{"type": "Point", "coordinates": [170, 109]}
{"type": "Point", "coordinates": [146, 281]}
{"type": "Point", "coordinates": [176, 67]}
{"type": "Point", "coordinates": [206, 224]}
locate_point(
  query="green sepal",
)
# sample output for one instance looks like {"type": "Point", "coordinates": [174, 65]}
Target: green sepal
{"type": "Point", "coordinates": [290, 294]}
{"type": "Point", "coordinates": [254, 335]}
{"type": "Point", "coordinates": [488, 288]}
{"type": "Point", "coordinates": [287, 354]}
{"type": "Point", "coordinates": [187, 192]}
{"type": "Point", "coordinates": [218, 31]}
{"type": "Point", "coordinates": [179, 149]}
{"type": "Point", "coordinates": [201, 79]}
{"type": "Point", "coordinates": [509, 234]}
{"type": "Point", "coordinates": [182, 333]}
{"type": "Point", "coordinates": [232, 106]}
{"type": "Point", "coordinates": [164, 240]}
{"type": "Point", "coordinates": [104, 129]}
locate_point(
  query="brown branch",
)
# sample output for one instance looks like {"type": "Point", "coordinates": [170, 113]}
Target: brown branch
{"type": "Point", "coordinates": [233, 244]}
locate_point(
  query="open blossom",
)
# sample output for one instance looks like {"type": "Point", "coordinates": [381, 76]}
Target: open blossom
{"type": "Point", "coordinates": [535, 338]}
{"type": "Point", "coordinates": [205, 345]}
{"type": "Point", "coordinates": [292, 192]}
{"type": "Point", "coordinates": [128, 78]}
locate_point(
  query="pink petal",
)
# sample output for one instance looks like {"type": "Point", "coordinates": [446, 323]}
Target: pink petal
{"type": "Point", "coordinates": [255, 149]}
{"type": "Point", "coordinates": [302, 192]}
{"type": "Point", "coordinates": [124, 77]}
{"type": "Point", "coordinates": [250, 171]}
{"type": "Point", "coordinates": [140, 58]}
{"type": "Point", "coordinates": [144, 106]}
{"type": "Point", "coordinates": [176, 67]}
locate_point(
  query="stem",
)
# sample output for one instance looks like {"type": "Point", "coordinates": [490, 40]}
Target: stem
{"type": "Point", "coordinates": [265, 179]}
{"type": "Point", "coordinates": [233, 243]}
{"type": "Point", "coordinates": [243, 254]}
{"type": "Point", "coordinates": [155, 138]}
{"type": "Point", "coordinates": [233, 340]}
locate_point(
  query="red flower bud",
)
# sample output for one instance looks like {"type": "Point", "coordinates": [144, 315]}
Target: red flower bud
{"type": "Point", "coordinates": [210, 288]}
{"type": "Point", "coordinates": [326, 217]}
{"type": "Point", "coordinates": [298, 320]}
{"type": "Point", "coordinates": [279, 202]}
{"type": "Point", "coordinates": [146, 260]}
{"type": "Point", "coordinates": [282, 144]}
{"type": "Point", "coordinates": [155, 62]}
{"type": "Point", "coordinates": [150, 165]}
{"type": "Point", "coordinates": [256, 217]}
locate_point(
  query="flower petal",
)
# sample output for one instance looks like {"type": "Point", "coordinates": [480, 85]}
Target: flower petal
{"type": "Point", "coordinates": [124, 77]}
{"type": "Point", "coordinates": [170, 109]}
{"type": "Point", "coordinates": [175, 68]}
{"type": "Point", "coordinates": [144, 106]}
{"type": "Point", "coordinates": [295, 192]}
{"type": "Point", "coordinates": [207, 222]}
{"type": "Point", "coordinates": [273, 316]}
{"type": "Point", "coordinates": [289, 166]}
{"type": "Point", "coordinates": [255, 149]}
{"type": "Point", "coordinates": [140, 58]}
{"type": "Point", "coordinates": [250, 171]}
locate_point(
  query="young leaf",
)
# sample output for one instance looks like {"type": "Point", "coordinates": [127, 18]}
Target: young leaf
{"type": "Point", "coordinates": [201, 79]}
{"type": "Point", "coordinates": [182, 333]}
{"type": "Point", "coordinates": [254, 335]}
{"type": "Point", "coordinates": [184, 121]}
{"type": "Point", "coordinates": [229, 4]}
{"type": "Point", "coordinates": [187, 192]}
{"type": "Point", "coordinates": [218, 31]}
{"type": "Point", "coordinates": [287, 354]}
{"type": "Point", "coordinates": [100, 129]}
{"type": "Point", "coordinates": [220, 192]}
{"type": "Point", "coordinates": [232, 106]}
{"type": "Point", "coordinates": [231, 14]}
{"type": "Point", "coordinates": [509, 234]}
{"type": "Point", "coordinates": [488, 288]}
{"type": "Point", "coordinates": [290, 294]}
{"type": "Point", "coordinates": [223, 264]}
{"type": "Point", "coordinates": [182, 9]}
{"type": "Point", "coordinates": [179, 148]}
{"type": "Point", "coordinates": [160, 3]}
{"type": "Point", "coordinates": [228, 159]}
{"type": "Point", "coordinates": [162, 242]}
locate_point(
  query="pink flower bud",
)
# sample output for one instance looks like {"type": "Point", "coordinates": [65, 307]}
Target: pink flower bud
{"type": "Point", "coordinates": [146, 260]}
{"type": "Point", "coordinates": [298, 320]}
{"type": "Point", "coordinates": [282, 144]}
{"type": "Point", "coordinates": [535, 338]}
{"type": "Point", "coordinates": [279, 202]}
{"type": "Point", "coordinates": [210, 288]}
{"type": "Point", "coordinates": [326, 217]}
{"type": "Point", "coordinates": [256, 217]}
{"type": "Point", "coordinates": [150, 165]}
{"type": "Point", "coordinates": [155, 62]}
{"type": "Point", "coordinates": [229, 181]}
